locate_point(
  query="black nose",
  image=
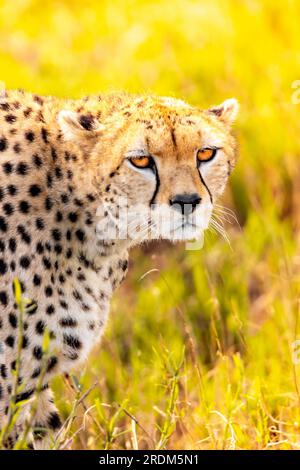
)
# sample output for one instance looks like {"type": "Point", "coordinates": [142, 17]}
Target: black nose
{"type": "Point", "coordinates": [185, 203]}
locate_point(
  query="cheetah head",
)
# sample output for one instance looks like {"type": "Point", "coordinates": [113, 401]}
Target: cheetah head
{"type": "Point", "coordinates": [159, 165]}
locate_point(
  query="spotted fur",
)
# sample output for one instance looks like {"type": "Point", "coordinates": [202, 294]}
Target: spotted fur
{"type": "Point", "coordinates": [62, 169]}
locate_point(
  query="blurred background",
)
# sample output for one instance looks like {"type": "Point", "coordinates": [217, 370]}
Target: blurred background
{"type": "Point", "coordinates": [198, 351]}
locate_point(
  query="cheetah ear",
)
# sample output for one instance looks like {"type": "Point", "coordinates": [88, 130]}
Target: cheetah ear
{"type": "Point", "coordinates": [74, 125]}
{"type": "Point", "coordinates": [226, 112]}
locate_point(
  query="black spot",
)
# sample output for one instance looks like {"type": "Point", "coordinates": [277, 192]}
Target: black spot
{"type": "Point", "coordinates": [77, 295]}
{"type": "Point", "coordinates": [12, 190]}
{"type": "Point", "coordinates": [48, 291]}
{"type": "Point", "coordinates": [25, 342]}
{"type": "Point", "coordinates": [36, 373]}
{"type": "Point", "coordinates": [40, 225]}
{"type": "Point", "coordinates": [124, 265]}
{"type": "Point", "coordinates": [3, 371]}
{"type": "Point", "coordinates": [10, 341]}
{"type": "Point", "coordinates": [25, 262]}
{"type": "Point", "coordinates": [17, 148]}
{"type": "Point", "coordinates": [73, 217]}
{"type": "Point", "coordinates": [7, 168]}
{"type": "Point", "coordinates": [80, 235]}
{"type": "Point", "coordinates": [4, 106]}
{"type": "Point", "coordinates": [44, 135]}
{"type": "Point", "coordinates": [68, 235]}
{"type": "Point", "coordinates": [40, 248]}
{"type": "Point", "coordinates": [72, 341]}
{"type": "Point", "coordinates": [10, 118]}
{"type": "Point", "coordinates": [27, 112]}
{"type": "Point", "coordinates": [58, 172]}
{"type": "Point", "coordinates": [40, 116]}
{"type": "Point", "coordinates": [78, 202]}
{"type": "Point", "coordinates": [24, 235]}
{"type": "Point", "coordinates": [53, 154]}
{"type": "Point", "coordinates": [37, 160]}
{"type": "Point", "coordinates": [37, 280]}
{"type": "Point", "coordinates": [48, 204]}
{"type": "Point", "coordinates": [58, 248]}
{"type": "Point", "coordinates": [56, 234]}
{"type": "Point", "coordinates": [3, 267]}
{"type": "Point", "coordinates": [51, 363]}
{"type": "Point", "coordinates": [29, 135]}
{"type": "Point", "coordinates": [37, 352]}
{"type": "Point", "coordinates": [22, 168]}
{"type": "Point", "coordinates": [64, 198]}
{"type": "Point", "coordinates": [63, 304]}
{"type": "Point", "coordinates": [13, 320]}
{"type": "Point", "coordinates": [68, 321]}
{"type": "Point", "coordinates": [3, 144]}
{"type": "Point", "coordinates": [24, 207]}
{"type": "Point", "coordinates": [8, 208]}
{"type": "Point", "coordinates": [61, 278]}
{"type": "Point", "coordinates": [16, 104]}
{"type": "Point", "coordinates": [47, 262]}
{"type": "Point", "coordinates": [59, 216]}
{"type": "Point", "coordinates": [40, 327]}
{"type": "Point", "coordinates": [50, 309]}
{"type": "Point", "coordinates": [34, 190]}
{"type": "Point", "coordinates": [3, 224]}
{"type": "Point", "coordinates": [38, 99]}
{"type": "Point", "coordinates": [24, 396]}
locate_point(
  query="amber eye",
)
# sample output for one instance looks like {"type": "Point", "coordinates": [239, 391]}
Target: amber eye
{"type": "Point", "coordinates": [206, 154]}
{"type": "Point", "coordinates": [141, 162]}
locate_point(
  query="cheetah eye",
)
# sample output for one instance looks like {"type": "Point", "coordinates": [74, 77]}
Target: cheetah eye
{"type": "Point", "coordinates": [141, 162]}
{"type": "Point", "coordinates": [206, 154]}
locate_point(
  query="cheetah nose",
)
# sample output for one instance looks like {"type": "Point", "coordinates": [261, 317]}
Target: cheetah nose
{"type": "Point", "coordinates": [185, 203]}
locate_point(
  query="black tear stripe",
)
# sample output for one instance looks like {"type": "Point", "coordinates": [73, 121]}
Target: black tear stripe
{"type": "Point", "coordinates": [156, 186]}
{"type": "Point", "coordinates": [205, 185]}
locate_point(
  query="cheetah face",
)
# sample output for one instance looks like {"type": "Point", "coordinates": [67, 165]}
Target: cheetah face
{"type": "Point", "coordinates": [165, 164]}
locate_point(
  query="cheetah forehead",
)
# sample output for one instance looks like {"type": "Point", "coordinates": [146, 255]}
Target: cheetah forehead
{"type": "Point", "coordinates": [174, 102]}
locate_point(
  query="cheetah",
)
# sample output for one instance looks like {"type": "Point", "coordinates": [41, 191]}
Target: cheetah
{"type": "Point", "coordinates": [75, 176]}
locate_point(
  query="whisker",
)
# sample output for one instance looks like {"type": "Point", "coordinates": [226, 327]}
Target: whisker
{"type": "Point", "coordinates": [222, 218]}
{"type": "Point", "coordinates": [220, 230]}
{"type": "Point", "coordinates": [228, 214]}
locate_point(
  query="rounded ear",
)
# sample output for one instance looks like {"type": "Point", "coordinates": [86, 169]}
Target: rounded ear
{"type": "Point", "coordinates": [226, 112]}
{"type": "Point", "coordinates": [74, 125]}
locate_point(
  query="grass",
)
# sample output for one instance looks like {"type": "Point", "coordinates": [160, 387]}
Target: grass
{"type": "Point", "coordinates": [198, 353]}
